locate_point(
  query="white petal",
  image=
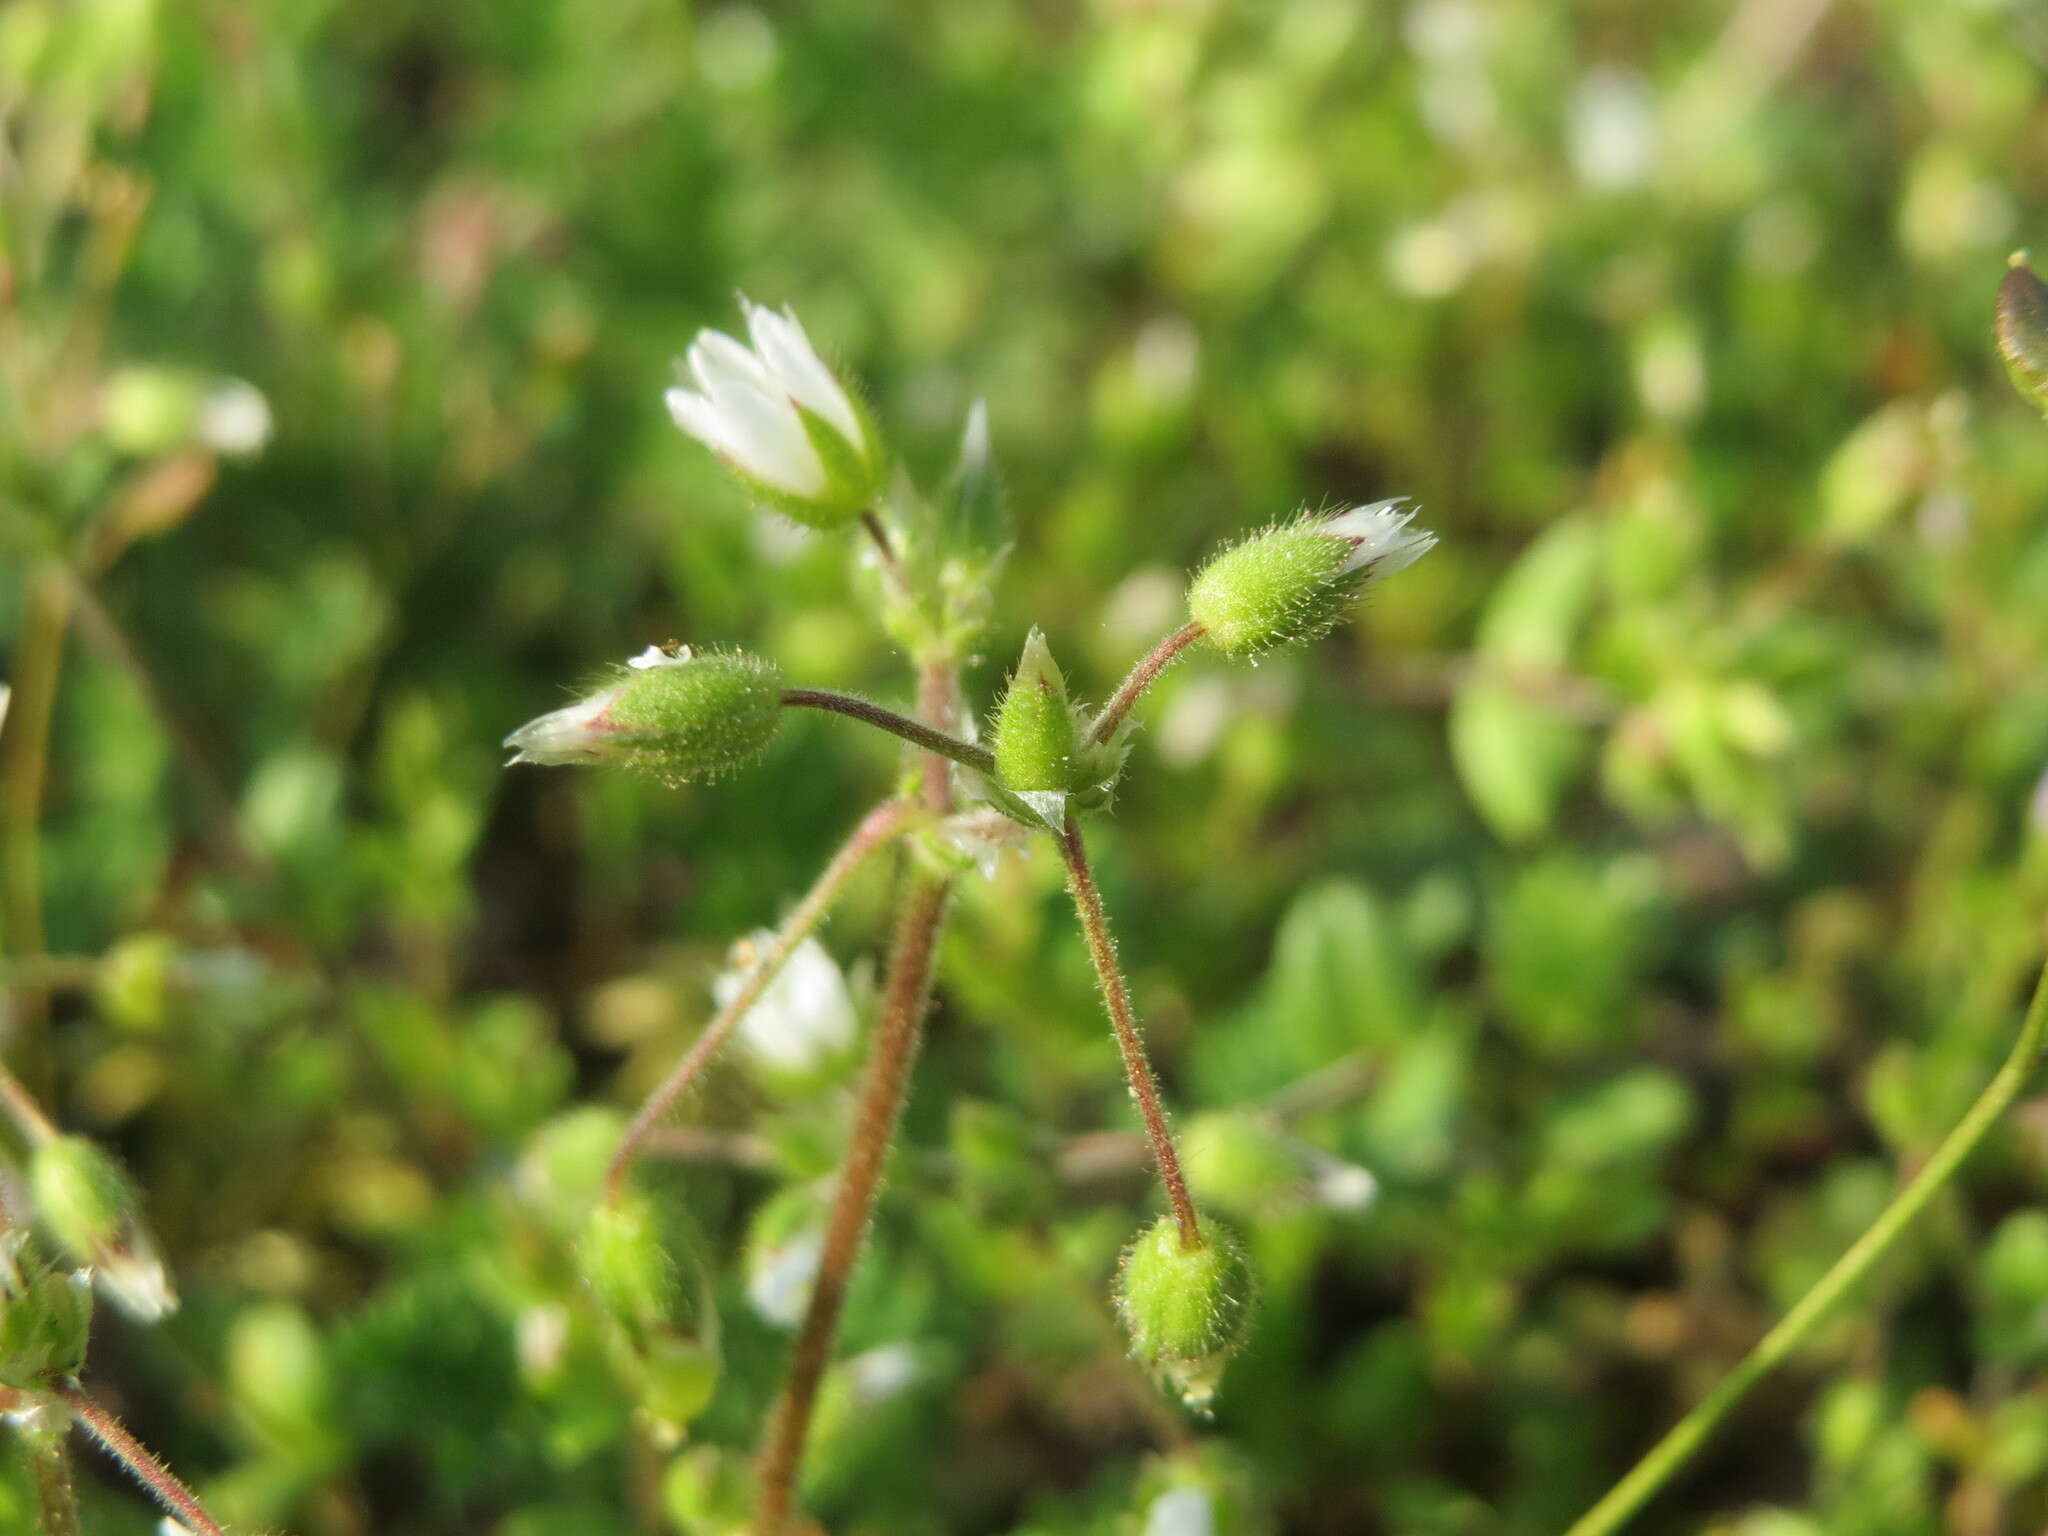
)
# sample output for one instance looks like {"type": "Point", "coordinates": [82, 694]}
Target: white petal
{"type": "Point", "coordinates": [787, 351]}
{"type": "Point", "coordinates": [804, 1016]}
{"type": "Point", "coordinates": [567, 735]}
{"type": "Point", "coordinates": [1380, 538]}
{"type": "Point", "coordinates": [715, 358]}
{"type": "Point", "coordinates": [696, 415]}
{"type": "Point", "coordinates": [767, 439]}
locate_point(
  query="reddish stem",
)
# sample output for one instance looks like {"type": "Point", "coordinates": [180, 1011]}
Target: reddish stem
{"type": "Point", "coordinates": [1123, 1022]}
{"type": "Point", "coordinates": [881, 824]}
{"type": "Point", "coordinates": [138, 1459]}
{"type": "Point", "coordinates": [883, 1085]}
{"type": "Point", "coordinates": [1141, 677]}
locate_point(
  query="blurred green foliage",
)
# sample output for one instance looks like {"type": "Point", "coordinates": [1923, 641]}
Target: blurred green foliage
{"type": "Point", "coordinates": [1636, 888]}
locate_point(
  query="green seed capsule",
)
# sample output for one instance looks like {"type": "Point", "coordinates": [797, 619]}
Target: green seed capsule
{"type": "Point", "coordinates": [1186, 1310]}
{"type": "Point", "coordinates": [671, 712]}
{"type": "Point", "coordinates": [2021, 326]}
{"type": "Point", "coordinates": [1036, 738]}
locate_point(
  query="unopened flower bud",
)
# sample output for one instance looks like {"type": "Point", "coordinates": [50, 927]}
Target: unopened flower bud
{"type": "Point", "coordinates": [625, 1262]}
{"type": "Point", "coordinates": [780, 420]}
{"type": "Point", "coordinates": [1186, 1309]}
{"type": "Point", "coordinates": [1294, 581]}
{"type": "Point", "coordinates": [89, 1206]}
{"type": "Point", "coordinates": [1036, 736]}
{"type": "Point", "coordinates": [1041, 749]}
{"type": "Point", "coordinates": [45, 1316]}
{"type": "Point", "coordinates": [671, 712]}
{"type": "Point", "coordinates": [2021, 325]}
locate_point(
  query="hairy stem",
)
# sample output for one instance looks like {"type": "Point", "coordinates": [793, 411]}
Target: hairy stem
{"type": "Point", "coordinates": [138, 1459]}
{"type": "Point", "coordinates": [877, 829]}
{"type": "Point", "coordinates": [50, 1466]}
{"type": "Point", "coordinates": [883, 1085]}
{"type": "Point", "coordinates": [24, 762]}
{"type": "Point", "coordinates": [1628, 1496]}
{"type": "Point", "coordinates": [1123, 1021]}
{"type": "Point", "coordinates": [1141, 677]}
{"type": "Point", "coordinates": [885, 1081]}
{"type": "Point", "coordinates": [910, 730]}
{"type": "Point", "coordinates": [18, 1105]}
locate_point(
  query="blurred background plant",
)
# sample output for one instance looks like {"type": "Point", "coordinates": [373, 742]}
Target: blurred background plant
{"type": "Point", "coordinates": [1558, 965]}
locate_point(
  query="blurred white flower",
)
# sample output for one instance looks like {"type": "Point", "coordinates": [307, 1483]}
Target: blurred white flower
{"type": "Point", "coordinates": [878, 1374]}
{"type": "Point", "coordinates": [1340, 1186]}
{"type": "Point", "coordinates": [234, 418]}
{"type": "Point", "coordinates": [779, 1277]}
{"type": "Point", "coordinates": [1613, 130]}
{"type": "Point", "coordinates": [1181, 1511]}
{"type": "Point", "coordinates": [776, 415]}
{"type": "Point", "coordinates": [1381, 542]}
{"type": "Point", "coordinates": [805, 1015]}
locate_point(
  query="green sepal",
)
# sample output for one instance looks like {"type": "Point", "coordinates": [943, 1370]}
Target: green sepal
{"type": "Point", "coordinates": [2021, 327]}
{"type": "Point", "coordinates": [1036, 737]}
{"type": "Point", "coordinates": [83, 1196]}
{"type": "Point", "coordinates": [697, 719]}
{"type": "Point", "coordinates": [1278, 587]}
{"type": "Point", "coordinates": [45, 1316]}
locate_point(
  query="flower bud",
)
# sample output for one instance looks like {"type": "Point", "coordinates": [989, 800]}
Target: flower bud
{"type": "Point", "coordinates": [625, 1262]}
{"type": "Point", "coordinates": [782, 423]}
{"type": "Point", "coordinates": [2021, 326]}
{"type": "Point", "coordinates": [1186, 1309]}
{"type": "Point", "coordinates": [88, 1204]}
{"type": "Point", "coordinates": [45, 1316]}
{"type": "Point", "coordinates": [1036, 736]}
{"type": "Point", "coordinates": [1043, 757]}
{"type": "Point", "coordinates": [1294, 581]}
{"type": "Point", "coordinates": [82, 1195]}
{"type": "Point", "coordinates": [671, 712]}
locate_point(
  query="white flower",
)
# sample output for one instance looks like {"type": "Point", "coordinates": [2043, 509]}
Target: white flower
{"type": "Point", "coordinates": [750, 407]}
{"type": "Point", "coordinates": [572, 734]}
{"type": "Point", "coordinates": [234, 418]}
{"type": "Point", "coordinates": [779, 1278]}
{"type": "Point", "coordinates": [804, 1016]}
{"type": "Point", "coordinates": [1181, 1511]}
{"type": "Point", "coordinates": [1381, 542]}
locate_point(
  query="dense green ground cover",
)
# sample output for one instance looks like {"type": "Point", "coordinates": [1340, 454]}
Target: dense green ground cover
{"type": "Point", "coordinates": [1637, 888]}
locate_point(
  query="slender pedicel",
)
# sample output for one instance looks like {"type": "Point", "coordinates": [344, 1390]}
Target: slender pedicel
{"type": "Point", "coordinates": [1123, 1020]}
{"type": "Point", "coordinates": [876, 830]}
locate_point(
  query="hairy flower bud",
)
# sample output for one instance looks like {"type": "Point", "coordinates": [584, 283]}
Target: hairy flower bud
{"type": "Point", "coordinates": [1293, 581]}
{"type": "Point", "coordinates": [625, 1263]}
{"type": "Point", "coordinates": [783, 424]}
{"type": "Point", "coordinates": [1186, 1309]}
{"type": "Point", "coordinates": [45, 1316]}
{"type": "Point", "coordinates": [671, 712]}
{"type": "Point", "coordinates": [2021, 325]}
{"type": "Point", "coordinates": [1036, 737]}
{"type": "Point", "coordinates": [89, 1206]}
{"type": "Point", "coordinates": [1043, 756]}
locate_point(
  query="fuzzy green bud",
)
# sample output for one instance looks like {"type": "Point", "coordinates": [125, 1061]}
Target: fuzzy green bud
{"type": "Point", "coordinates": [2021, 327]}
{"type": "Point", "coordinates": [1294, 581]}
{"type": "Point", "coordinates": [1036, 738]}
{"type": "Point", "coordinates": [82, 1195]}
{"type": "Point", "coordinates": [1043, 756]}
{"type": "Point", "coordinates": [45, 1316]}
{"type": "Point", "coordinates": [626, 1262]}
{"type": "Point", "coordinates": [671, 712]}
{"type": "Point", "coordinates": [88, 1204]}
{"type": "Point", "coordinates": [1186, 1310]}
